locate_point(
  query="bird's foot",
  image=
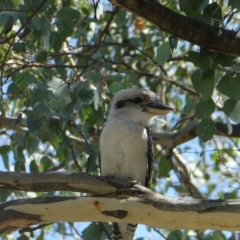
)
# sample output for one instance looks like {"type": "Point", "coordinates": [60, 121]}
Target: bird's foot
{"type": "Point", "coordinates": [131, 182]}
{"type": "Point", "coordinates": [109, 177]}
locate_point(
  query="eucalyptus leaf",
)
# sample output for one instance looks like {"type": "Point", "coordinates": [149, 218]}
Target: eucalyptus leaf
{"type": "Point", "coordinates": [206, 129]}
{"type": "Point", "coordinates": [189, 107]}
{"type": "Point", "coordinates": [115, 87]}
{"type": "Point", "coordinates": [33, 167]}
{"type": "Point", "coordinates": [231, 108]}
{"type": "Point", "coordinates": [199, 59]}
{"type": "Point", "coordinates": [204, 109]}
{"type": "Point", "coordinates": [208, 86]}
{"type": "Point", "coordinates": [4, 149]}
{"type": "Point", "coordinates": [230, 86]}
{"type": "Point", "coordinates": [95, 232]}
{"type": "Point", "coordinates": [197, 82]}
{"type": "Point", "coordinates": [68, 13]}
{"type": "Point", "coordinates": [163, 53]}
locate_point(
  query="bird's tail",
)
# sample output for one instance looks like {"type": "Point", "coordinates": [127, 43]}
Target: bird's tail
{"type": "Point", "coordinates": [123, 231]}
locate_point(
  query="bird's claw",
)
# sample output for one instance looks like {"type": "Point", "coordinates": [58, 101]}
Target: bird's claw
{"type": "Point", "coordinates": [131, 182]}
{"type": "Point", "coordinates": [109, 177]}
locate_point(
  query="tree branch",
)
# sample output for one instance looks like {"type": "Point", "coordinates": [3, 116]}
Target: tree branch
{"type": "Point", "coordinates": [129, 205]}
{"type": "Point", "coordinates": [206, 36]}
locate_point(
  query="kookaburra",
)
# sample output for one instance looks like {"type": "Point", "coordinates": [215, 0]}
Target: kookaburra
{"type": "Point", "coordinates": [125, 144]}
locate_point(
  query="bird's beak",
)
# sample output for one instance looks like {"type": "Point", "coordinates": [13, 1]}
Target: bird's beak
{"type": "Point", "coordinates": [157, 108]}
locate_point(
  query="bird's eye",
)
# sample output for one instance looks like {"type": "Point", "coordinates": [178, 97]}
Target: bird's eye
{"type": "Point", "coordinates": [137, 100]}
{"type": "Point", "coordinates": [120, 104]}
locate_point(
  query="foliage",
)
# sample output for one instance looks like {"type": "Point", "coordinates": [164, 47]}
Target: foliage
{"type": "Point", "coordinates": [62, 62]}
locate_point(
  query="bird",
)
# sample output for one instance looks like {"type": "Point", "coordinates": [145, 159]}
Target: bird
{"type": "Point", "coordinates": [125, 144]}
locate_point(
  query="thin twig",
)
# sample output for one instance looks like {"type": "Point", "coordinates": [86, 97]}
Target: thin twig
{"type": "Point", "coordinates": [32, 229]}
{"type": "Point", "coordinates": [105, 230]}
{"type": "Point", "coordinates": [71, 148]}
{"type": "Point", "coordinates": [183, 120]}
{"type": "Point", "coordinates": [72, 225]}
{"type": "Point", "coordinates": [26, 22]}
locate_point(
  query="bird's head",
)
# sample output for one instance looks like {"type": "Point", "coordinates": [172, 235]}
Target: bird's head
{"type": "Point", "coordinates": [137, 105]}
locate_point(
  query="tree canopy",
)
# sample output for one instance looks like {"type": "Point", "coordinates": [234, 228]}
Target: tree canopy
{"type": "Point", "coordinates": [61, 62]}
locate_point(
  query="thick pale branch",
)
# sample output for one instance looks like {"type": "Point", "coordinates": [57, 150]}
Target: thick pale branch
{"type": "Point", "coordinates": [206, 36]}
{"type": "Point", "coordinates": [148, 208]}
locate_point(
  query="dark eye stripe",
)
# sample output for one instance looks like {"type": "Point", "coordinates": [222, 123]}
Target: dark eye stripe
{"type": "Point", "coordinates": [137, 100]}
{"type": "Point", "coordinates": [123, 103]}
{"type": "Point", "coordinates": [120, 104]}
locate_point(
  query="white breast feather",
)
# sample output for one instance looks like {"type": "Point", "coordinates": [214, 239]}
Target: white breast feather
{"type": "Point", "coordinates": [123, 146]}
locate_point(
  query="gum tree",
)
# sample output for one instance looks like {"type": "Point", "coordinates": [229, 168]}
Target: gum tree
{"type": "Point", "coordinates": [62, 62]}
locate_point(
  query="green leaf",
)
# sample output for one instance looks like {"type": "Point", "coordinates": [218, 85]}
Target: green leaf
{"type": "Point", "coordinates": [57, 86]}
{"type": "Point", "coordinates": [163, 53]}
{"type": "Point", "coordinates": [57, 40]}
{"type": "Point", "coordinates": [214, 11]}
{"type": "Point", "coordinates": [203, 5]}
{"type": "Point", "coordinates": [20, 166]}
{"type": "Point", "coordinates": [46, 163]}
{"type": "Point", "coordinates": [203, 83]}
{"type": "Point", "coordinates": [115, 87]}
{"type": "Point", "coordinates": [236, 67]}
{"type": "Point", "coordinates": [204, 109]}
{"type": "Point", "coordinates": [21, 79]}
{"type": "Point", "coordinates": [225, 60]}
{"type": "Point", "coordinates": [68, 14]}
{"type": "Point", "coordinates": [208, 85]}
{"type": "Point", "coordinates": [95, 232]}
{"type": "Point", "coordinates": [121, 18]}
{"type": "Point", "coordinates": [19, 47]}
{"type": "Point", "coordinates": [32, 123]}
{"type": "Point", "coordinates": [33, 167]}
{"type": "Point", "coordinates": [164, 167]}
{"type": "Point", "coordinates": [19, 154]}
{"type": "Point", "coordinates": [174, 235]}
{"type": "Point", "coordinates": [197, 82]}
{"type": "Point", "coordinates": [38, 95]}
{"type": "Point", "coordinates": [94, 76]}
{"type": "Point", "coordinates": [31, 143]}
{"type": "Point", "coordinates": [2, 55]}
{"type": "Point", "coordinates": [230, 86]}
{"type": "Point", "coordinates": [12, 88]}
{"type": "Point", "coordinates": [4, 149]}
{"type": "Point", "coordinates": [59, 103]}
{"type": "Point", "coordinates": [4, 194]}
{"type": "Point", "coordinates": [22, 237]}
{"type": "Point", "coordinates": [189, 107]}
{"type": "Point", "coordinates": [86, 96]}
{"type": "Point", "coordinates": [206, 129]}
{"type": "Point", "coordinates": [199, 59]}
{"type": "Point", "coordinates": [41, 236]}
{"type": "Point", "coordinates": [41, 57]}
{"type": "Point", "coordinates": [6, 161]}
{"type": "Point", "coordinates": [231, 108]}
{"type": "Point", "coordinates": [135, 42]}
{"type": "Point", "coordinates": [173, 41]}
{"type": "Point", "coordinates": [187, 7]}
